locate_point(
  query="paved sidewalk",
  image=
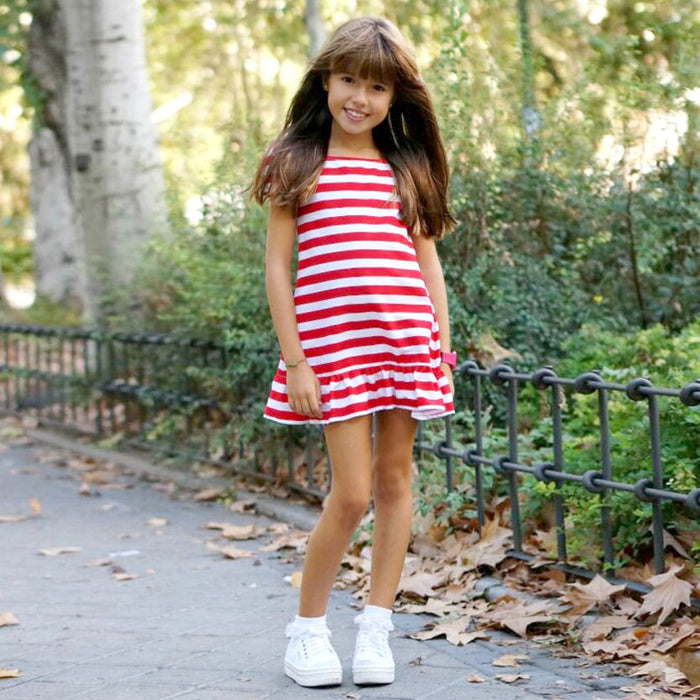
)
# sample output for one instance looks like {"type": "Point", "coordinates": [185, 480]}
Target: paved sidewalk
{"type": "Point", "coordinates": [194, 625]}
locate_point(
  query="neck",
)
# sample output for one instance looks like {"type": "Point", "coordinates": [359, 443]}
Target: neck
{"type": "Point", "coordinates": [341, 143]}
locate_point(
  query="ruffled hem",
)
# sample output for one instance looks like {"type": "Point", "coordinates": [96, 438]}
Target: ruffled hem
{"type": "Point", "coordinates": [422, 390]}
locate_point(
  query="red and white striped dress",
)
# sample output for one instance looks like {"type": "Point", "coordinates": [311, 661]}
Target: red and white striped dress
{"type": "Point", "coordinates": [365, 320]}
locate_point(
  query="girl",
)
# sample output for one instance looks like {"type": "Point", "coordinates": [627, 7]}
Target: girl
{"type": "Point", "coordinates": [359, 177]}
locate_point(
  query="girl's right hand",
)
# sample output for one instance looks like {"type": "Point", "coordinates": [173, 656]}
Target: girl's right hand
{"type": "Point", "coordinates": [304, 390]}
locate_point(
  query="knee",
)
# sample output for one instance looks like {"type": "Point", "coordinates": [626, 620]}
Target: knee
{"type": "Point", "coordinates": [391, 485]}
{"type": "Point", "coordinates": [349, 508]}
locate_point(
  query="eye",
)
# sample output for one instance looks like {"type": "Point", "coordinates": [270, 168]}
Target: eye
{"type": "Point", "coordinates": [380, 88]}
{"type": "Point", "coordinates": [346, 78]}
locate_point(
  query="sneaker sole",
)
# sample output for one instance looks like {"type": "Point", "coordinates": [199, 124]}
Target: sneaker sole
{"type": "Point", "coordinates": [311, 679]}
{"type": "Point", "coordinates": [372, 676]}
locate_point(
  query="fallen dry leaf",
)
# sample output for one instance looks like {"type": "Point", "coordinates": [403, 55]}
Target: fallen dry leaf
{"type": "Point", "coordinates": [295, 579]}
{"type": "Point", "coordinates": [670, 592]}
{"type": "Point", "coordinates": [229, 552]}
{"type": "Point", "coordinates": [9, 673]}
{"type": "Point", "coordinates": [86, 464]}
{"type": "Point", "coordinates": [584, 597]}
{"type": "Point", "coordinates": [421, 583]}
{"type": "Point", "coordinates": [125, 576]}
{"type": "Point", "coordinates": [242, 506]}
{"type": "Point", "coordinates": [208, 494]}
{"type": "Point", "coordinates": [509, 660]}
{"type": "Point", "coordinates": [644, 691]}
{"type": "Point", "coordinates": [12, 518]}
{"type": "Point", "coordinates": [236, 532]}
{"type": "Point", "coordinates": [492, 547]}
{"type": "Point", "coordinates": [518, 615]}
{"type": "Point", "coordinates": [7, 619]}
{"type": "Point", "coordinates": [607, 648]}
{"type": "Point", "coordinates": [511, 677]}
{"type": "Point", "coordinates": [660, 668]}
{"type": "Point", "coordinates": [104, 561]}
{"type": "Point", "coordinates": [475, 678]}
{"type": "Point", "coordinates": [157, 522]}
{"type": "Point", "coordinates": [297, 540]}
{"type": "Point", "coordinates": [671, 541]}
{"type": "Point", "coordinates": [30, 422]}
{"type": "Point", "coordinates": [432, 606]}
{"type": "Point", "coordinates": [627, 606]}
{"type": "Point", "coordinates": [688, 663]}
{"type": "Point", "coordinates": [601, 627]}
{"type": "Point", "coordinates": [54, 551]}
{"type": "Point", "coordinates": [455, 631]}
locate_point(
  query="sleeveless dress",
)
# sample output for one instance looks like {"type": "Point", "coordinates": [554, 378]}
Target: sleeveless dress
{"type": "Point", "coordinates": [366, 322]}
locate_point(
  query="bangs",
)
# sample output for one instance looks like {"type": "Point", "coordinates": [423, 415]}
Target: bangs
{"type": "Point", "coordinates": [371, 59]}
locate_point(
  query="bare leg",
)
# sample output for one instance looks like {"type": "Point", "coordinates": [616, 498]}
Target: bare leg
{"type": "Point", "coordinates": [350, 450]}
{"type": "Point", "coordinates": [393, 502]}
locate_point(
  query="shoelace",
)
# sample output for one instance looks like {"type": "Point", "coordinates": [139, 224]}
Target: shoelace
{"type": "Point", "coordinates": [313, 639]}
{"type": "Point", "coordinates": [373, 634]}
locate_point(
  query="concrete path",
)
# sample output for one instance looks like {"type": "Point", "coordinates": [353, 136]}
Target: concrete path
{"type": "Point", "coordinates": [194, 625]}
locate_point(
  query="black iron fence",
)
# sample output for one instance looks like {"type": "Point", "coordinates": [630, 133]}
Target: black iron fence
{"type": "Point", "coordinates": [649, 489]}
{"type": "Point", "coordinates": [185, 396]}
{"type": "Point", "coordinates": [181, 396]}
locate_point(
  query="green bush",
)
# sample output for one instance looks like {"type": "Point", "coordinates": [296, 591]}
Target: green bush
{"type": "Point", "coordinates": [669, 361]}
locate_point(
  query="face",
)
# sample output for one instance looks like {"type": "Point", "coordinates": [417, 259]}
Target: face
{"type": "Point", "coordinates": [358, 104]}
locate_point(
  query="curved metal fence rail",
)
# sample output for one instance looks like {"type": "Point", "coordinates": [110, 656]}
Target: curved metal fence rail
{"type": "Point", "coordinates": [156, 388]}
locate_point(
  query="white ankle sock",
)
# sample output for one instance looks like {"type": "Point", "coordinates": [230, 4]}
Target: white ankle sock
{"type": "Point", "coordinates": [375, 612]}
{"type": "Point", "coordinates": [310, 621]}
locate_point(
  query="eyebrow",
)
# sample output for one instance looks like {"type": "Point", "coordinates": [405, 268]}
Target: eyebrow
{"type": "Point", "coordinates": [355, 74]}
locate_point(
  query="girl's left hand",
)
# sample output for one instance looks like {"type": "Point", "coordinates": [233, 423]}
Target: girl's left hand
{"type": "Point", "coordinates": [448, 373]}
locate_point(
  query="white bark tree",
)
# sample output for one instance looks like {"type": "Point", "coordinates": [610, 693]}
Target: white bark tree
{"type": "Point", "coordinates": [97, 185]}
{"type": "Point", "coordinates": [315, 26]}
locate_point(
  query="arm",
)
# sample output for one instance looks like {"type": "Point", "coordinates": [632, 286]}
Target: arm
{"type": "Point", "coordinates": [303, 387]}
{"type": "Point", "coordinates": [430, 267]}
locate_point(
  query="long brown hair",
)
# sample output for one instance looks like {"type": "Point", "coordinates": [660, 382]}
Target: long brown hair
{"type": "Point", "coordinates": [409, 138]}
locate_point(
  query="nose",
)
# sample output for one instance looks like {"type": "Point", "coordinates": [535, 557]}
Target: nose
{"type": "Point", "coordinates": [360, 95]}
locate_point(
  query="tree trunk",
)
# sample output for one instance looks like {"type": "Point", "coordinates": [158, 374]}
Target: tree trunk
{"type": "Point", "coordinates": [97, 184]}
{"type": "Point", "coordinates": [530, 116]}
{"type": "Point", "coordinates": [314, 25]}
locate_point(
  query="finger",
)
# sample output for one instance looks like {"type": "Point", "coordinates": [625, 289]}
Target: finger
{"type": "Point", "coordinates": [319, 397]}
{"type": "Point", "coordinates": [308, 409]}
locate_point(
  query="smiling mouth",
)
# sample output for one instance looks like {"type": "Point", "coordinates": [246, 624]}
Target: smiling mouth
{"type": "Point", "coordinates": [354, 115]}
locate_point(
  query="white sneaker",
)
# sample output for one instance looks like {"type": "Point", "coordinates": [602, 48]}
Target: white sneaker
{"type": "Point", "coordinates": [310, 659]}
{"type": "Point", "coordinates": [373, 661]}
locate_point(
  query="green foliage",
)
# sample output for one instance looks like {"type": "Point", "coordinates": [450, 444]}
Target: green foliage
{"type": "Point", "coordinates": [13, 42]}
{"type": "Point", "coordinates": [550, 236]}
{"type": "Point", "coordinates": [20, 100]}
{"type": "Point", "coordinates": [668, 361]}
{"type": "Point", "coordinates": [45, 312]}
